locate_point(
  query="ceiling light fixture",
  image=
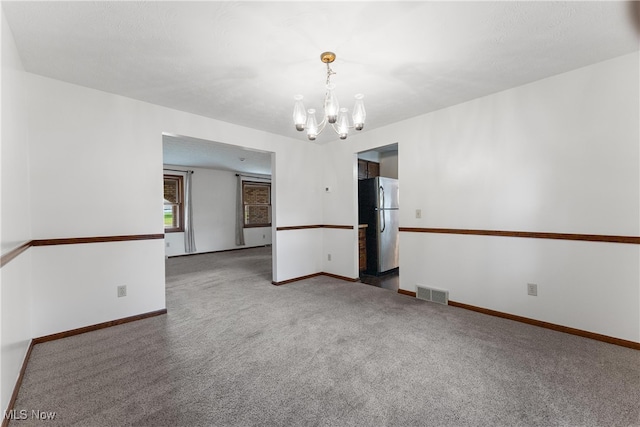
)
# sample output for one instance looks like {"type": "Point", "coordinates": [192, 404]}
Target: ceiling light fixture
{"type": "Point", "coordinates": [337, 117]}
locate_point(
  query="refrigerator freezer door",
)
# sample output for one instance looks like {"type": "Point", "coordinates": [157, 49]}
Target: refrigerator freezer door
{"type": "Point", "coordinates": [388, 239]}
{"type": "Point", "coordinates": [387, 192]}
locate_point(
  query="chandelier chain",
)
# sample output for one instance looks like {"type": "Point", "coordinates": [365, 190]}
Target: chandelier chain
{"type": "Point", "coordinates": [330, 72]}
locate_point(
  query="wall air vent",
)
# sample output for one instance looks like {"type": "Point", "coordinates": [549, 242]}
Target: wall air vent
{"type": "Point", "coordinates": [433, 295]}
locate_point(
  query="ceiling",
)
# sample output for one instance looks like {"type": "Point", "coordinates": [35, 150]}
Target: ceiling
{"type": "Point", "coordinates": [242, 62]}
{"type": "Point", "coordinates": [197, 153]}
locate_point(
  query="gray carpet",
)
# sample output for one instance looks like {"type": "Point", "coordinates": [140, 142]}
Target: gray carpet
{"type": "Point", "coordinates": [235, 350]}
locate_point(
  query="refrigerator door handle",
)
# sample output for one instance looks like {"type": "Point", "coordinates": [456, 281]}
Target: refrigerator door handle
{"type": "Point", "coordinates": [381, 211]}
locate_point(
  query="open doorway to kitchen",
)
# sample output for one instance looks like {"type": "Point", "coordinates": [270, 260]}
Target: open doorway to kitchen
{"type": "Point", "coordinates": [378, 217]}
{"type": "Point", "coordinates": [218, 199]}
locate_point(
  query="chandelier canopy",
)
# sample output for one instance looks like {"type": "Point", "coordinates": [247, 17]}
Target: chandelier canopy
{"type": "Point", "coordinates": [337, 117]}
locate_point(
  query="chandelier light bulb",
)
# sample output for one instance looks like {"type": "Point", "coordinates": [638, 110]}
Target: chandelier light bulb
{"type": "Point", "coordinates": [343, 123]}
{"type": "Point", "coordinates": [337, 117]}
{"type": "Point", "coordinates": [331, 105]}
{"type": "Point", "coordinates": [312, 125]}
{"type": "Point", "coordinates": [299, 113]}
{"type": "Point", "coordinates": [359, 113]}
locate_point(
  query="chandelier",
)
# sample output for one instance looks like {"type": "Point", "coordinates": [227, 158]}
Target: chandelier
{"type": "Point", "coordinates": [337, 117]}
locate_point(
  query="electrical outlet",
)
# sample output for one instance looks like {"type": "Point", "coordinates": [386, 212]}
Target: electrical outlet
{"type": "Point", "coordinates": [122, 291]}
{"type": "Point", "coordinates": [418, 213]}
{"type": "Point", "coordinates": [532, 289]}
{"type": "Point", "coordinates": [328, 257]}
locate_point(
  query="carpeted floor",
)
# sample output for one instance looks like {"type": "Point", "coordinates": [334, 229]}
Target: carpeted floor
{"type": "Point", "coordinates": [235, 350]}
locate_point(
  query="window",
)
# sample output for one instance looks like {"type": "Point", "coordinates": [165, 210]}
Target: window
{"type": "Point", "coordinates": [173, 204]}
{"type": "Point", "coordinates": [256, 199]}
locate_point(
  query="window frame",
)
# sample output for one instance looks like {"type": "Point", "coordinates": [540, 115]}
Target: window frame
{"type": "Point", "coordinates": [179, 204]}
{"type": "Point", "coordinates": [246, 183]}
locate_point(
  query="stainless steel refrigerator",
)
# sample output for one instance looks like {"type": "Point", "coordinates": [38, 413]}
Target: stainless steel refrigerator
{"type": "Point", "coordinates": [378, 208]}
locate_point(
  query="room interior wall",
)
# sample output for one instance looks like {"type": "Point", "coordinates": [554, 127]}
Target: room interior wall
{"type": "Point", "coordinates": [560, 155]}
{"type": "Point", "coordinates": [389, 164]}
{"type": "Point", "coordinates": [214, 215]}
{"type": "Point", "coordinates": [102, 155]}
{"type": "Point", "coordinates": [96, 170]}
{"type": "Point", "coordinates": [76, 285]}
{"type": "Point", "coordinates": [298, 196]}
{"type": "Point", "coordinates": [15, 276]}
{"type": "Point", "coordinates": [340, 175]}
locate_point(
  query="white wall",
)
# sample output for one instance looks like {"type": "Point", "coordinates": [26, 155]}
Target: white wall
{"type": "Point", "coordinates": [304, 253]}
{"type": "Point", "coordinates": [558, 155]}
{"type": "Point", "coordinates": [96, 170]}
{"type": "Point", "coordinates": [75, 285]}
{"type": "Point", "coordinates": [102, 155]}
{"type": "Point", "coordinates": [389, 164]}
{"type": "Point", "coordinates": [214, 215]}
{"type": "Point", "coordinates": [298, 201]}
{"type": "Point", "coordinates": [15, 279]}
{"type": "Point", "coordinates": [339, 208]}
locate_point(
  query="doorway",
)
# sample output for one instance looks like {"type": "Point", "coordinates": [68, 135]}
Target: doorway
{"type": "Point", "coordinates": [220, 174]}
{"type": "Point", "coordinates": [378, 217]}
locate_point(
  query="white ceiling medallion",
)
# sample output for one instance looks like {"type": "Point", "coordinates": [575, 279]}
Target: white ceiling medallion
{"type": "Point", "coordinates": [337, 117]}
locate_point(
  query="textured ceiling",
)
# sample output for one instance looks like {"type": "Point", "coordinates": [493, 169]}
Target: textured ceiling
{"type": "Point", "coordinates": [242, 62]}
{"type": "Point", "coordinates": [184, 151]}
